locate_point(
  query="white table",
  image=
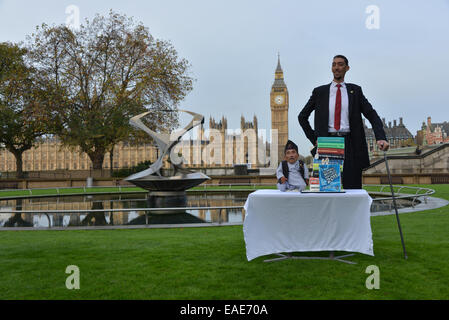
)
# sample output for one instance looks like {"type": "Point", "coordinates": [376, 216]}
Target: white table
{"type": "Point", "coordinates": [278, 222]}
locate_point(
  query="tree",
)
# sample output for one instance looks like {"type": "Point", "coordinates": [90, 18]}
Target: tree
{"type": "Point", "coordinates": [18, 104]}
{"type": "Point", "coordinates": [98, 77]}
{"type": "Point", "coordinates": [410, 142]}
{"type": "Point", "coordinates": [308, 160]}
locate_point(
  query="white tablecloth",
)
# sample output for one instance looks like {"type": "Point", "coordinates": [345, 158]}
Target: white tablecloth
{"type": "Point", "coordinates": [277, 222]}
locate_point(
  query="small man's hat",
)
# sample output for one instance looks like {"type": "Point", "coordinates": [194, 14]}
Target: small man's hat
{"type": "Point", "coordinates": [290, 145]}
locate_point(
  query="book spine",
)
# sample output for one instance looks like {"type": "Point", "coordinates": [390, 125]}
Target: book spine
{"type": "Point", "coordinates": [330, 151]}
{"type": "Point", "coordinates": [331, 139]}
{"type": "Point", "coordinates": [331, 145]}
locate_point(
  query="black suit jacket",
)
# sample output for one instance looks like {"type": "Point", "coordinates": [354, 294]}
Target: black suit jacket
{"type": "Point", "coordinates": [358, 105]}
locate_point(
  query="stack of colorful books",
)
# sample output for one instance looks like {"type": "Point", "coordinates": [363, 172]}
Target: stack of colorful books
{"type": "Point", "coordinates": [314, 184]}
{"type": "Point", "coordinates": [328, 163]}
{"type": "Point", "coordinates": [332, 147]}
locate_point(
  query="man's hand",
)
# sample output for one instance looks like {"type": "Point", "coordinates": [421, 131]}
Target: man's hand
{"type": "Point", "coordinates": [283, 179]}
{"type": "Point", "coordinates": [383, 145]}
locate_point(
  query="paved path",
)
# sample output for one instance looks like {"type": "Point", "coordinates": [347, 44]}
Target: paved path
{"type": "Point", "coordinates": [427, 203]}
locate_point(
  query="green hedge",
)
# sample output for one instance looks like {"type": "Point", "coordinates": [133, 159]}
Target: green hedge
{"type": "Point", "coordinates": [125, 172]}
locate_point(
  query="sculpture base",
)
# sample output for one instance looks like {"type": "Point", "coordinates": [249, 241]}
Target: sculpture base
{"type": "Point", "coordinates": [167, 199]}
{"type": "Point", "coordinates": [178, 183]}
{"type": "Point", "coordinates": [169, 218]}
{"type": "Point", "coordinates": [168, 192]}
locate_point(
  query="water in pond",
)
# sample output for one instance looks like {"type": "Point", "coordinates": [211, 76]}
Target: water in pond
{"type": "Point", "coordinates": [132, 217]}
{"type": "Point", "coordinates": [122, 201]}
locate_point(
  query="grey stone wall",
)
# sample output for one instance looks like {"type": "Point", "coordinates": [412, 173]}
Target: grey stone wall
{"type": "Point", "coordinates": [432, 162]}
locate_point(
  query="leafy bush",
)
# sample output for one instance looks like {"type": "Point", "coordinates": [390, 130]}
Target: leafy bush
{"type": "Point", "coordinates": [124, 172]}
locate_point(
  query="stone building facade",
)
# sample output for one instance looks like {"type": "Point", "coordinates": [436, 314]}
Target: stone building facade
{"type": "Point", "coordinates": [428, 167]}
{"type": "Point", "coordinates": [220, 146]}
{"type": "Point", "coordinates": [49, 155]}
{"type": "Point", "coordinates": [215, 147]}
{"type": "Point", "coordinates": [397, 135]}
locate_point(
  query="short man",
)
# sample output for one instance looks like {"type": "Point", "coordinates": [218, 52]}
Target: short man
{"type": "Point", "coordinates": [338, 110]}
{"type": "Point", "coordinates": [292, 173]}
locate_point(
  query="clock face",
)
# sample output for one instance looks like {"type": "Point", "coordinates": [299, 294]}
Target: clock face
{"type": "Point", "coordinates": [279, 99]}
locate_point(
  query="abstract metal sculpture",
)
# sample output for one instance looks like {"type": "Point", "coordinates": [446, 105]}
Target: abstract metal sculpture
{"type": "Point", "coordinates": [151, 179]}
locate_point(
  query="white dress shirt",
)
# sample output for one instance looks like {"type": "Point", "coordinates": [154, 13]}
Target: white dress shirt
{"type": "Point", "coordinates": [344, 118]}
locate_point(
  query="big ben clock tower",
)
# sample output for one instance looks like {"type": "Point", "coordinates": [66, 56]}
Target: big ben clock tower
{"type": "Point", "coordinates": [279, 109]}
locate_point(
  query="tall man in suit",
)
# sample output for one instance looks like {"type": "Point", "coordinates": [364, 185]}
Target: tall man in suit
{"type": "Point", "coordinates": [338, 110]}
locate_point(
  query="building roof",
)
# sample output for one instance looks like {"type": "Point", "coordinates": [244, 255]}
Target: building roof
{"type": "Point", "coordinates": [397, 131]}
{"type": "Point", "coordinates": [444, 126]}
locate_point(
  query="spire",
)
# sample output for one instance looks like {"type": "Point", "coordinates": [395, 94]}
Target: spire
{"type": "Point", "coordinates": [279, 75]}
{"type": "Point", "coordinates": [279, 68]}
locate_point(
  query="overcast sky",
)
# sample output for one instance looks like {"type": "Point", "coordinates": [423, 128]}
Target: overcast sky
{"type": "Point", "coordinates": [399, 59]}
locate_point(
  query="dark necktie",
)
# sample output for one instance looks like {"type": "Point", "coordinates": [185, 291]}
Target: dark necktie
{"type": "Point", "coordinates": [337, 109]}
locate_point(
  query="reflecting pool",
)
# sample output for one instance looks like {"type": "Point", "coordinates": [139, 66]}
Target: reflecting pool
{"type": "Point", "coordinates": [125, 215]}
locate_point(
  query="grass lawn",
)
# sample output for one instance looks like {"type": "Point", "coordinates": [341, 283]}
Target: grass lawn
{"type": "Point", "coordinates": [84, 190]}
{"type": "Point", "coordinates": [210, 263]}
{"type": "Point", "coordinates": [65, 191]}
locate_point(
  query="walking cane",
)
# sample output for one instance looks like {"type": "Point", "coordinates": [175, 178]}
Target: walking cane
{"type": "Point", "coordinates": [394, 203]}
